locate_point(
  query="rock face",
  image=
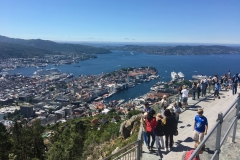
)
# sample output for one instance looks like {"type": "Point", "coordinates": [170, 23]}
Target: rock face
{"type": "Point", "coordinates": [127, 126]}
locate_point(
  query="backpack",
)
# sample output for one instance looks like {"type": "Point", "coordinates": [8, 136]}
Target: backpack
{"type": "Point", "coordinates": [235, 79]}
{"type": "Point", "coordinates": [187, 155]}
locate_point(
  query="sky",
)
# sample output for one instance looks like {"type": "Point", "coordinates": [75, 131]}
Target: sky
{"type": "Point", "coordinates": [163, 21]}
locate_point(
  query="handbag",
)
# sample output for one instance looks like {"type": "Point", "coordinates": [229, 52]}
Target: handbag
{"type": "Point", "coordinates": [176, 133]}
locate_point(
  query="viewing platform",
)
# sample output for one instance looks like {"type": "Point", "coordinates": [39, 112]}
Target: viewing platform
{"type": "Point", "coordinates": [184, 142]}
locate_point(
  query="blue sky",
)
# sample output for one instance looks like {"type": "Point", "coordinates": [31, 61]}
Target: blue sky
{"type": "Point", "coordinates": [170, 21]}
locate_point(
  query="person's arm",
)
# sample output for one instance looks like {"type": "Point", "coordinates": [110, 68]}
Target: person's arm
{"type": "Point", "coordinates": [194, 125]}
{"type": "Point", "coordinates": [206, 128]}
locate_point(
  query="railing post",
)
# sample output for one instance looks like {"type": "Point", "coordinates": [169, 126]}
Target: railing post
{"type": "Point", "coordinates": [235, 123]}
{"type": "Point", "coordinates": [139, 149]}
{"type": "Point", "coordinates": [218, 138]}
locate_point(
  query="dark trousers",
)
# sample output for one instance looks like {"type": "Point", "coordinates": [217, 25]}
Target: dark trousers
{"type": "Point", "coordinates": [198, 94]}
{"type": "Point", "coordinates": [204, 91]}
{"type": "Point", "coordinates": [153, 139]}
{"type": "Point", "coordinates": [234, 88]}
{"type": "Point", "coordinates": [166, 140]}
{"type": "Point", "coordinates": [193, 95]}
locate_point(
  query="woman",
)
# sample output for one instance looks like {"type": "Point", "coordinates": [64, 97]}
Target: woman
{"type": "Point", "coordinates": [180, 96]}
{"type": "Point", "coordinates": [204, 87]}
{"type": "Point", "coordinates": [159, 132]}
{"type": "Point", "coordinates": [198, 89]}
{"type": "Point", "coordinates": [151, 124]}
{"type": "Point", "coordinates": [143, 123]}
{"type": "Point", "coordinates": [194, 90]}
{"type": "Point", "coordinates": [170, 128]}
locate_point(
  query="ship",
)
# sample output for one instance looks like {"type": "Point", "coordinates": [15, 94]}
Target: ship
{"type": "Point", "coordinates": [51, 71]}
{"type": "Point", "coordinates": [199, 77]}
{"type": "Point", "coordinates": [180, 75]}
{"type": "Point", "coordinates": [174, 76]}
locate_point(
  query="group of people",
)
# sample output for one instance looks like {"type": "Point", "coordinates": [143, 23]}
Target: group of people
{"type": "Point", "coordinates": [162, 126]}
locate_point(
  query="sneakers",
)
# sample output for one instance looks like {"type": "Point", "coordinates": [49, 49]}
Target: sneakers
{"type": "Point", "coordinates": [166, 149]}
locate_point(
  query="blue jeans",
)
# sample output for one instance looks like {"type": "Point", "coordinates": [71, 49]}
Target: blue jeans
{"type": "Point", "coordinates": [145, 138]}
{"type": "Point", "coordinates": [234, 88]}
{"type": "Point", "coordinates": [153, 139]}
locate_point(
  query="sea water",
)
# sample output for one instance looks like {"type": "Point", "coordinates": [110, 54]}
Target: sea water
{"type": "Point", "coordinates": [187, 64]}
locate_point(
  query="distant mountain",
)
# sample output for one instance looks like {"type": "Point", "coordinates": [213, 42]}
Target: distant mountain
{"type": "Point", "coordinates": [56, 47]}
{"type": "Point", "coordinates": [178, 50]}
{"type": "Point", "coordinates": [10, 50]}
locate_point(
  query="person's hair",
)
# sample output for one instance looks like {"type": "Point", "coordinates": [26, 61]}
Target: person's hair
{"type": "Point", "coordinates": [200, 111]}
{"type": "Point", "coordinates": [180, 88]}
{"type": "Point", "coordinates": [184, 87]}
{"type": "Point", "coordinates": [159, 116]}
{"type": "Point", "coordinates": [167, 112]}
{"type": "Point", "coordinates": [149, 116]}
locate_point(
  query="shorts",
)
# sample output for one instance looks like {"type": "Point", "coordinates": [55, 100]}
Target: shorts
{"type": "Point", "coordinates": [216, 92]}
{"type": "Point", "coordinates": [185, 99]}
{"type": "Point", "coordinates": [198, 136]}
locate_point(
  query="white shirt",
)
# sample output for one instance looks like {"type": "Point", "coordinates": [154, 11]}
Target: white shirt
{"type": "Point", "coordinates": [184, 93]}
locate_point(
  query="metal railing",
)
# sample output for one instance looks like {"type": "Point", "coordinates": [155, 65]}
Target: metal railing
{"type": "Point", "coordinates": [218, 128]}
{"type": "Point", "coordinates": [132, 151]}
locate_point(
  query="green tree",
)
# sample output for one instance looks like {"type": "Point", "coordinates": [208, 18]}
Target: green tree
{"type": "Point", "coordinates": [5, 143]}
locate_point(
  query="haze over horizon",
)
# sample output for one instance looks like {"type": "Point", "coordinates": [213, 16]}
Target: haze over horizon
{"type": "Point", "coordinates": [135, 21]}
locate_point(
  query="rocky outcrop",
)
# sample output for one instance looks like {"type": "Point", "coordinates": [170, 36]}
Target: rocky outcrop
{"type": "Point", "coordinates": [126, 127]}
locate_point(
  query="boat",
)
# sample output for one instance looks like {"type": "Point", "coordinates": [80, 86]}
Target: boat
{"type": "Point", "coordinates": [174, 75]}
{"type": "Point", "coordinates": [70, 75]}
{"type": "Point", "coordinates": [51, 71]}
{"type": "Point", "coordinates": [180, 75]}
{"type": "Point", "coordinates": [199, 77]}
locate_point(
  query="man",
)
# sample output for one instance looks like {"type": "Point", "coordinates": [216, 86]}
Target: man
{"type": "Point", "coordinates": [200, 126]}
{"type": "Point", "coordinates": [147, 107]}
{"type": "Point", "coordinates": [185, 96]}
{"type": "Point", "coordinates": [177, 111]}
{"type": "Point", "coordinates": [216, 91]}
{"type": "Point", "coordinates": [163, 103]}
{"type": "Point", "coordinates": [235, 80]}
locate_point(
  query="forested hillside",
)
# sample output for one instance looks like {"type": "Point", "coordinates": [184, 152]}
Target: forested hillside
{"type": "Point", "coordinates": [55, 47]}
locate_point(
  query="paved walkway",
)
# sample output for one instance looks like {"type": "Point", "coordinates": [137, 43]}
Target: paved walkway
{"type": "Point", "coordinates": [183, 141]}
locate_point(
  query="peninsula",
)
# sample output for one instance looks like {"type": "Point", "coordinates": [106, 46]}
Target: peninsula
{"type": "Point", "coordinates": [178, 50]}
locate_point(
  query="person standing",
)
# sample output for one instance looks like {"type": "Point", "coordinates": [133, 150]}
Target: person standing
{"type": "Point", "coordinates": [198, 89]}
{"type": "Point", "coordinates": [177, 112]}
{"type": "Point", "coordinates": [200, 126]}
{"type": "Point", "coordinates": [185, 96]}
{"type": "Point", "coordinates": [217, 89]}
{"type": "Point", "coordinates": [229, 74]}
{"type": "Point", "coordinates": [235, 80]}
{"type": "Point", "coordinates": [143, 123]}
{"type": "Point", "coordinates": [147, 107]}
{"type": "Point", "coordinates": [151, 124]}
{"type": "Point", "coordinates": [239, 80]}
{"type": "Point", "coordinates": [194, 90]}
{"type": "Point", "coordinates": [180, 96]}
{"type": "Point", "coordinates": [204, 87]}
{"type": "Point", "coordinates": [159, 132]}
{"type": "Point", "coordinates": [163, 103]}
{"type": "Point", "coordinates": [170, 128]}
